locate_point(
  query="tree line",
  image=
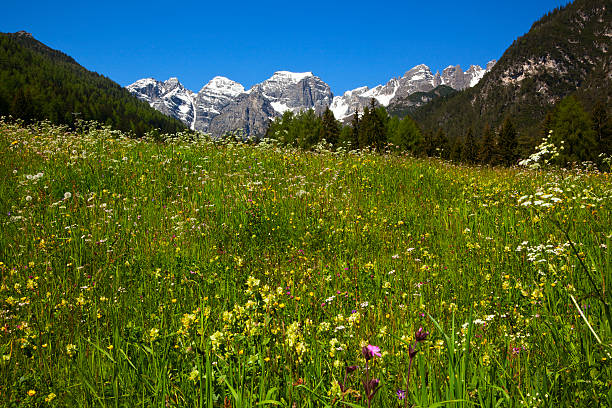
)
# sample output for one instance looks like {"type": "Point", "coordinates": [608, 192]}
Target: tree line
{"type": "Point", "coordinates": [584, 136]}
{"type": "Point", "coordinates": [373, 129]}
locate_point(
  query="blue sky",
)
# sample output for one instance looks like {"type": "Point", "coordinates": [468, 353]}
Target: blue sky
{"type": "Point", "coordinates": [347, 44]}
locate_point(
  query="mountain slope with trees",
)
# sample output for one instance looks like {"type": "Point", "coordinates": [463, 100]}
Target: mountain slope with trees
{"type": "Point", "coordinates": [565, 53]}
{"type": "Point", "coordinates": [37, 82]}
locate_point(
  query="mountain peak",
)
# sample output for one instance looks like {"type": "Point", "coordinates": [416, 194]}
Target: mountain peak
{"type": "Point", "coordinates": [293, 76]}
{"type": "Point", "coordinates": [24, 34]}
{"type": "Point", "coordinates": [223, 85]}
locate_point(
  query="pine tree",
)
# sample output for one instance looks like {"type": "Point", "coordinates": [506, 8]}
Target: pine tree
{"type": "Point", "coordinates": [363, 132]}
{"type": "Point", "coordinates": [486, 154]}
{"type": "Point", "coordinates": [428, 146]}
{"type": "Point", "coordinates": [603, 128]}
{"type": "Point", "coordinates": [546, 125]}
{"type": "Point", "coordinates": [378, 119]}
{"type": "Point", "coordinates": [408, 136]}
{"type": "Point", "coordinates": [469, 152]}
{"type": "Point", "coordinates": [508, 144]}
{"type": "Point", "coordinates": [455, 149]}
{"type": "Point", "coordinates": [308, 129]}
{"type": "Point", "coordinates": [391, 128]}
{"type": "Point", "coordinates": [572, 126]}
{"type": "Point", "coordinates": [346, 138]}
{"type": "Point", "coordinates": [355, 126]}
{"type": "Point", "coordinates": [330, 129]}
{"type": "Point", "coordinates": [441, 144]}
{"type": "Point", "coordinates": [283, 129]}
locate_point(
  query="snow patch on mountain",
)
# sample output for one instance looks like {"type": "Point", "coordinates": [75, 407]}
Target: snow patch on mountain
{"type": "Point", "coordinates": [280, 107]}
{"type": "Point", "coordinates": [220, 85]}
{"type": "Point", "coordinates": [295, 91]}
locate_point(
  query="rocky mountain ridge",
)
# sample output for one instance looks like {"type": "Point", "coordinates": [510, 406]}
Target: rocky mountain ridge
{"type": "Point", "coordinates": [417, 79]}
{"type": "Point", "coordinates": [223, 105]}
{"type": "Point", "coordinates": [566, 52]}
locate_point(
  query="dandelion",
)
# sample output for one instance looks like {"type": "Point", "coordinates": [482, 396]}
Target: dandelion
{"type": "Point", "coordinates": [67, 195]}
{"type": "Point", "coordinates": [31, 393]}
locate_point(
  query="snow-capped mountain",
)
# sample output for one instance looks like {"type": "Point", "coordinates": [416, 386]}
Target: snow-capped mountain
{"type": "Point", "coordinates": [294, 91]}
{"type": "Point", "coordinates": [217, 94]}
{"type": "Point", "coordinates": [228, 104]}
{"type": "Point", "coordinates": [223, 105]}
{"type": "Point", "coordinates": [418, 79]}
{"type": "Point", "coordinates": [195, 110]}
{"type": "Point", "coordinates": [169, 97]}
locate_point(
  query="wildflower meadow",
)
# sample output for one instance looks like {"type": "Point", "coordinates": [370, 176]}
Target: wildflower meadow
{"type": "Point", "coordinates": [182, 272]}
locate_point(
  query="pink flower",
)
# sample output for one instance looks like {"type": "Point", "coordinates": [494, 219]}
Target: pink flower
{"type": "Point", "coordinates": [370, 351]}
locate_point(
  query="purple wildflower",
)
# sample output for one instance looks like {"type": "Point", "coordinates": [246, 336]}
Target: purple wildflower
{"type": "Point", "coordinates": [421, 335]}
{"type": "Point", "coordinates": [401, 394]}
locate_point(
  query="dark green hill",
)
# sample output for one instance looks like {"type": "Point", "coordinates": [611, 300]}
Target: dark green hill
{"type": "Point", "coordinates": [564, 53]}
{"type": "Point", "coordinates": [37, 82]}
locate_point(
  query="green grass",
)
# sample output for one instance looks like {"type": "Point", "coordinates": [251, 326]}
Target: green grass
{"type": "Point", "coordinates": [199, 274]}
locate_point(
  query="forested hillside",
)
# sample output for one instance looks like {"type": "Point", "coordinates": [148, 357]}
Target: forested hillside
{"type": "Point", "coordinates": [565, 53]}
{"type": "Point", "coordinates": [37, 82]}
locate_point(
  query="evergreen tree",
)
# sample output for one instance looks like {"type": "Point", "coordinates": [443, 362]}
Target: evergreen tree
{"type": "Point", "coordinates": [308, 127]}
{"type": "Point", "coordinates": [603, 128]}
{"type": "Point", "coordinates": [486, 154]}
{"type": "Point", "coordinates": [428, 145]}
{"type": "Point", "coordinates": [363, 132]}
{"type": "Point", "coordinates": [346, 138]}
{"type": "Point", "coordinates": [573, 126]}
{"type": "Point", "coordinates": [408, 136]}
{"type": "Point", "coordinates": [441, 145]}
{"type": "Point", "coordinates": [282, 129]}
{"type": "Point", "coordinates": [546, 125]}
{"type": "Point", "coordinates": [456, 147]}
{"type": "Point", "coordinates": [330, 129]}
{"type": "Point", "coordinates": [391, 128]}
{"type": "Point", "coordinates": [508, 144]}
{"type": "Point", "coordinates": [355, 126]}
{"type": "Point", "coordinates": [469, 153]}
{"type": "Point", "coordinates": [379, 118]}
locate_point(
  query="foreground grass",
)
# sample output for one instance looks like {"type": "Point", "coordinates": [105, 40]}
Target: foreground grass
{"type": "Point", "coordinates": [136, 273]}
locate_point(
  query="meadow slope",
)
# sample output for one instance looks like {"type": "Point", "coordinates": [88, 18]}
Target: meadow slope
{"type": "Point", "coordinates": [195, 273]}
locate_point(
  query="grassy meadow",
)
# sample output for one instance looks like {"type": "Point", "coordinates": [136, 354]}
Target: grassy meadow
{"type": "Point", "coordinates": [136, 273]}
